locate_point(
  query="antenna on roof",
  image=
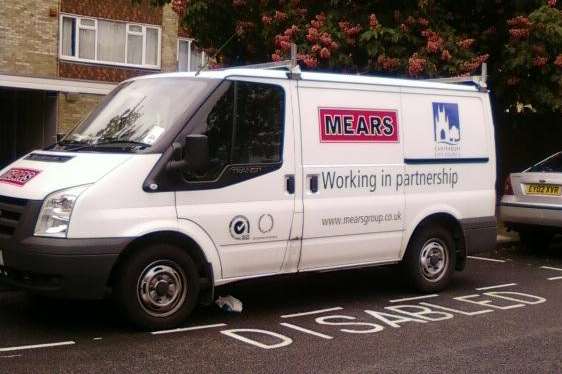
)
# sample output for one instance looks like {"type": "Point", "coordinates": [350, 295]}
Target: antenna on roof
{"type": "Point", "coordinates": [215, 55]}
{"type": "Point", "coordinates": [479, 80]}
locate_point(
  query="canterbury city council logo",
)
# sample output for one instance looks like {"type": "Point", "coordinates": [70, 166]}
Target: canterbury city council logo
{"type": "Point", "coordinates": [446, 123]}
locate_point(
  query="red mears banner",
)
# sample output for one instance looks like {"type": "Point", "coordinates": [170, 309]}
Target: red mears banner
{"type": "Point", "coordinates": [18, 176]}
{"type": "Point", "coordinates": [338, 125]}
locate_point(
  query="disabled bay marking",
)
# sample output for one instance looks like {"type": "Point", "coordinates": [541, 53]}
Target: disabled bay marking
{"type": "Point", "coordinates": [497, 286]}
{"type": "Point", "coordinates": [185, 329]}
{"type": "Point", "coordinates": [319, 311]}
{"type": "Point", "coordinates": [552, 268]}
{"type": "Point", "coordinates": [306, 331]}
{"type": "Point", "coordinates": [485, 259]}
{"type": "Point", "coordinates": [414, 298]}
{"type": "Point", "coordinates": [37, 346]}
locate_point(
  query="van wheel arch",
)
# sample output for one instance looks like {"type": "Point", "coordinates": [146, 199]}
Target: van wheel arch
{"type": "Point", "coordinates": [204, 268]}
{"type": "Point", "coordinates": [453, 225]}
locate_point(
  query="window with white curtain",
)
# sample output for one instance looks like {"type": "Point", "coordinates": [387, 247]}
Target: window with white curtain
{"type": "Point", "coordinates": [68, 36]}
{"type": "Point", "coordinates": [190, 58]}
{"type": "Point", "coordinates": [87, 39]}
{"type": "Point", "coordinates": [151, 46]}
{"type": "Point", "coordinates": [109, 42]}
{"type": "Point", "coordinates": [134, 44]}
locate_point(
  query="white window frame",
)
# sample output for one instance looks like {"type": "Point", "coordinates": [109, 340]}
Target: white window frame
{"type": "Point", "coordinates": [78, 26]}
{"type": "Point", "coordinates": [189, 45]}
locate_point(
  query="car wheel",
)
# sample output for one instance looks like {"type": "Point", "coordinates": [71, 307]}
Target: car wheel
{"type": "Point", "coordinates": [157, 287]}
{"type": "Point", "coordinates": [430, 260]}
{"type": "Point", "coordinates": [535, 239]}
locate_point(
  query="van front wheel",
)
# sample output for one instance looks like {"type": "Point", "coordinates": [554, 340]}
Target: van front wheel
{"type": "Point", "coordinates": [157, 287]}
{"type": "Point", "coordinates": [429, 260]}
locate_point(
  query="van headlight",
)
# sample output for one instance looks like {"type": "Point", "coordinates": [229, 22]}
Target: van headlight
{"type": "Point", "coordinates": [54, 217]}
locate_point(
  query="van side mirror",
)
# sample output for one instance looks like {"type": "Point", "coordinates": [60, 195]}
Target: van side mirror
{"type": "Point", "coordinates": [196, 153]}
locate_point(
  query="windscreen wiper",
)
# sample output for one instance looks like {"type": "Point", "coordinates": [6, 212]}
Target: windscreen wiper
{"type": "Point", "coordinates": [118, 141]}
{"type": "Point", "coordinates": [85, 146]}
{"type": "Point", "coordinates": [71, 143]}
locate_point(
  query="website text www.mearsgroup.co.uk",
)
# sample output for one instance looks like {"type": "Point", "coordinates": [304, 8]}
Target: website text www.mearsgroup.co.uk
{"type": "Point", "coordinates": [361, 219]}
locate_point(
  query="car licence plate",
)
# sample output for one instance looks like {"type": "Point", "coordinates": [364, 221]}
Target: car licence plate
{"type": "Point", "coordinates": [543, 189]}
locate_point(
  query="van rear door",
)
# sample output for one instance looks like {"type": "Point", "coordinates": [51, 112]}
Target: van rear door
{"type": "Point", "coordinates": [352, 153]}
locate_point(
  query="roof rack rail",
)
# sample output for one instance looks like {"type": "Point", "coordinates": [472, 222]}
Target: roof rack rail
{"type": "Point", "coordinates": [479, 80]}
{"type": "Point", "coordinates": [294, 71]}
{"type": "Point", "coordinates": [287, 64]}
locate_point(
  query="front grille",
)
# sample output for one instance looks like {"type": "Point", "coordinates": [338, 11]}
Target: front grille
{"type": "Point", "coordinates": [11, 211]}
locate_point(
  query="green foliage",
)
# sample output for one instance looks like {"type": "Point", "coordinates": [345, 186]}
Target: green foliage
{"type": "Point", "coordinates": [533, 60]}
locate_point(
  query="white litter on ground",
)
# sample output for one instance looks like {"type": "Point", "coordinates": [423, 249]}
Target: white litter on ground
{"type": "Point", "coordinates": [229, 304]}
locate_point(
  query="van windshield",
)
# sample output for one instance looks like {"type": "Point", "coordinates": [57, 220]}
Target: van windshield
{"type": "Point", "coordinates": [136, 114]}
{"type": "Point", "coordinates": [552, 164]}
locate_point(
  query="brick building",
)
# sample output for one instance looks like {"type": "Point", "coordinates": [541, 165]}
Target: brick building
{"type": "Point", "coordinates": [59, 57]}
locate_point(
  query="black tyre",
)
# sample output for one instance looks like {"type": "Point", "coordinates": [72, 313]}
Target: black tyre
{"type": "Point", "coordinates": [536, 239]}
{"type": "Point", "coordinates": [157, 287]}
{"type": "Point", "coordinates": [429, 261]}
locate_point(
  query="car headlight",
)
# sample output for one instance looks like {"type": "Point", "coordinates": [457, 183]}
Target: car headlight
{"type": "Point", "coordinates": [54, 217]}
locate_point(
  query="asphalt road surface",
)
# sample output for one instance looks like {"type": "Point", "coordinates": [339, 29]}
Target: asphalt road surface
{"type": "Point", "coordinates": [502, 314]}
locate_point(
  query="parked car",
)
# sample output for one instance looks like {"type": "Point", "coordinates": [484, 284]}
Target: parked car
{"type": "Point", "coordinates": [181, 182]}
{"type": "Point", "coordinates": [532, 202]}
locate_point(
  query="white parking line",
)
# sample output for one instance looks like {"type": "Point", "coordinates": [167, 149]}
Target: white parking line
{"type": "Point", "coordinates": [414, 298]}
{"type": "Point", "coordinates": [306, 331]}
{"type": "Point", "coordinates": [11, 356]}
{"type": "Point", "coordinates": [550, 268]}
{"type": "Point", "coordinates": [184, 329]}
{"type": "Point", "coordinates": [485, 259]}
{"type": "Point", "coordinates": [498, 286]}
{"type": "Point", "coordinates": [319, 311]}
{"type": "Point", "coordinates": [36, 346]}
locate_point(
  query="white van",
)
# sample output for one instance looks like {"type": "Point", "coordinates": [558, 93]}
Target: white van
{"type": "Point", "coordinates": [178, 183]}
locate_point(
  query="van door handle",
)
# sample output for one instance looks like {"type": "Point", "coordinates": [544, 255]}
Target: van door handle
{"type": "Point", "coordinates": [290, 184]}
{"type": "Point", "coordinates": [313, 183]}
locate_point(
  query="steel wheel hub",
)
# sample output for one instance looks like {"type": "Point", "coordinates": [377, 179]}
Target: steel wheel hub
{"type": "Point", "coordinates": [162, 288]}
{"type": "Point", "coordinates": [433, 260]}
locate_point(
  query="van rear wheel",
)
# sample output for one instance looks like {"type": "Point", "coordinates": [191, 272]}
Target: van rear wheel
{"type": "Point", "coordinates": [157, 287]}
{"type": "Point", "coordinates": [430, 260]}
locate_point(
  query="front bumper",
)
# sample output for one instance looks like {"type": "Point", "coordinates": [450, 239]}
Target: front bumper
{"type": "Point", "coordinates": [69, 268]}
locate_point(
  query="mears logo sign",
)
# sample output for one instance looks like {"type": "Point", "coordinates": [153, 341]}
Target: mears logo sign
{"type": "Point", "coordinates": [18, 176]}
{"type": "Point", "coordinates": [446, 123]}
{"type": "Point", "coordinates": [339, 125]}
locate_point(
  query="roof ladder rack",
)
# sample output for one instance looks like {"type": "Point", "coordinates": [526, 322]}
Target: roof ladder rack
{"type": "Point", "coordinates": [479, 81]}
{"type": "Point", "coordinates": [294, 71]}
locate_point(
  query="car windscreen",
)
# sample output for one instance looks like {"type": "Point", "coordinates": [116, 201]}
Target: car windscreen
{"type": "Point", "coordinates": [552, 164]}
{"type": "Point", "coordinates": [137, 113]}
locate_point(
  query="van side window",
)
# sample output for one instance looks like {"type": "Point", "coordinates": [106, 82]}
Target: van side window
{"type": "Point", "coordinates": [244, 127]}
